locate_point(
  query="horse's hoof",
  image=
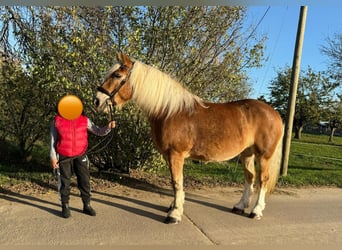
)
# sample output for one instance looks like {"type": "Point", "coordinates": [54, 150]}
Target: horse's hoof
{"type": "Point", "coordinates": [169, 209]}
{"type": "Point", "coordinates": [254, 216]}
{"type": "Point", "coordinates": [171, 220]}
{"type": "Point", "coordinates": [236, 210]}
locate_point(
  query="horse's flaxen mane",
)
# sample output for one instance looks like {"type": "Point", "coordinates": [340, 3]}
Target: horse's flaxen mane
{"type": "Point", "coordinates": [158, 94]}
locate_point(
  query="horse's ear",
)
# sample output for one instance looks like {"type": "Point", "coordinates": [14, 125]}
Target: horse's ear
{"type": "Point", "coordinates": [125, 59]}
{"type": "Point", "coordinates": [119, 56]}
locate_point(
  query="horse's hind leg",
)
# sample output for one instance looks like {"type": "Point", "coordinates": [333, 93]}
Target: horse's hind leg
{"type": "Point", "coordinates": [249, 172]}
{"type": "Point", "coordinates": [176, 161]}
{"type": "Point", "coordinates": [264, 176]}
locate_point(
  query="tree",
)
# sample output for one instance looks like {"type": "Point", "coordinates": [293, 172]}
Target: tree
{"type": "Point", "coordinates": [333, 114]}
{"type": "Point", "coordinates": [333, 49]}
{"type": "Point", "coordinates": [314, 95]}
{"type": "Point", "coordinates": [67, 50]}
{"type": "Point", "coordinates": [50, 63]}
{"type": "Point", "coordinates": [202, 47]}
{"type": "Point", "coordinates": [23, 104]}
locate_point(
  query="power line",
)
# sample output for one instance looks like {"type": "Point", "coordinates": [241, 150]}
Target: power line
{"type": "Point", "coordinates": [273, 50]}
{"type": "Point", "coordinates": [255, 28]}
{"type": "Point", "coordinates": [251, 34]}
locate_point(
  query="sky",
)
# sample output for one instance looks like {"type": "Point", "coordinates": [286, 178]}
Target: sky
{"type": "Point", "coordinates": [280, 25]}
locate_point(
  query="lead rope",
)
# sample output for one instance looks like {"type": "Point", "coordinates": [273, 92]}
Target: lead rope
{"type": "Point", "coordinates": [110, 136]}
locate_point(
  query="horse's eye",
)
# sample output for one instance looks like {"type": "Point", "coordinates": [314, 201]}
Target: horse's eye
{"type": "Point", "coordinates": [115, 75]}
{"type": "Point", "coordinates": [123, 67]}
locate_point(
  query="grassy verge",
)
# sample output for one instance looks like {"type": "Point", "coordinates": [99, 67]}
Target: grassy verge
{"type": "Point", "coordinates": [313, 161]}
{"type": "Point", "coordinates": [13, 172]}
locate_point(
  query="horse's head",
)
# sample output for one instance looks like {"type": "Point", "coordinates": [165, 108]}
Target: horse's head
{"type": "Point", "coordinates": [115, 89]}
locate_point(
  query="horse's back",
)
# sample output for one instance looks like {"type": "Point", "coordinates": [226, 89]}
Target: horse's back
{"type": "Point", "coordinates": [247, 112]}
{"type": "Point", "coordinates": [230, 128]}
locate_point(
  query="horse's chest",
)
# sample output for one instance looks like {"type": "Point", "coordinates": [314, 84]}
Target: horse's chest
{"type": "Point", "coordinates": [179, 136]}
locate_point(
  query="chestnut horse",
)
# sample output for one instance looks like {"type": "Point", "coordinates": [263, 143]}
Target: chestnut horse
{"type": "Point", "coordinates": [184, 126]}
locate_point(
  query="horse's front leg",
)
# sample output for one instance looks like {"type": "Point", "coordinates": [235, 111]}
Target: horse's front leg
{"type": "Point", "coordinates": [176, 161]}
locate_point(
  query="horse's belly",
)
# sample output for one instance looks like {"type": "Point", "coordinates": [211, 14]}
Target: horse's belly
{"type": "Point", "coordinates": [214, 153]}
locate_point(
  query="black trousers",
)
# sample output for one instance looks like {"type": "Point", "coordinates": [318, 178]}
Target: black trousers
{"type": "Point", "coordinates": [79, 166]}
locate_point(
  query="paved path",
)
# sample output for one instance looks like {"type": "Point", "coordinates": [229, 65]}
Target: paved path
{"type": "Point", "coordinates": [134, 216]}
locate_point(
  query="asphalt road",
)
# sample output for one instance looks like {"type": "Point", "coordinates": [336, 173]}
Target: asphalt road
{"type": "Point", "coordinates": [131, 216]}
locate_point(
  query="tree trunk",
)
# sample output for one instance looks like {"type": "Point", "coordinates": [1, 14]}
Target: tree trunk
{"type": "Point", "coordinates": [298, 132]}
{"type": "Point", "coordinates": [331, 136]}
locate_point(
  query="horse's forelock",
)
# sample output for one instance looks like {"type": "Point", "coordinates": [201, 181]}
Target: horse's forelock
{"type": "Point", "coordinates": [114, 68]}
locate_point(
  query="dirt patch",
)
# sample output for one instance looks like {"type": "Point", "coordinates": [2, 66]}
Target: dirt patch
{"type": "Point", "coordinates": [137, 179]}
{"type": "Point", "coordinates": [100, 181]}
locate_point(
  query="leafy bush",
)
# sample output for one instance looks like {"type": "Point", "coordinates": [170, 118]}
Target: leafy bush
{"type": "Point", "coordinates": [131, 145]}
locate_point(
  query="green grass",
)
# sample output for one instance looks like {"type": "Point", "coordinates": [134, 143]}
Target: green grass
{"type": "Point", "coordinates": [13, 171]}
{"type": "Point", "coordinates": [314, 162]}
{"type": "Point", "coordinates": [12, 175]}
{"type": "Point", "coordinates": [220, 173]}
{"type": "Point", "coordinates": [320, 139]}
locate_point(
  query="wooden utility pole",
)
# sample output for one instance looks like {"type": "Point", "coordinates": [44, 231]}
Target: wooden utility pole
{"type": "Point", "coordinates": [293, 90]}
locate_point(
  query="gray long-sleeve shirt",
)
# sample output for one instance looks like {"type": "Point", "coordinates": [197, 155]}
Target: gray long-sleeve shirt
{"type": "Point", "coordinates": [91, 127]}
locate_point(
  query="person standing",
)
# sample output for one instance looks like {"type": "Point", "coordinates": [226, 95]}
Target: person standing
{"type": "Point", "coordinates": [69, 143]}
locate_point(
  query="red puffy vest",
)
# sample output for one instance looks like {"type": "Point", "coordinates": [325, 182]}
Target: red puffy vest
{"type": "Point", "coordinates": [72, 136]}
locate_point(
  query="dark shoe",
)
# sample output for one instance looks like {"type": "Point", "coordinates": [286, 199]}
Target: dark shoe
{"type": "Point", "coordinates": [65, 210]}
{"type": "Point", "coordinates": [87, 209]}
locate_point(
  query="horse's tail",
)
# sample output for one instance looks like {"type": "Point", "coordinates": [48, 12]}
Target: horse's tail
{"type": "Point", "coordinates": [274, 167]}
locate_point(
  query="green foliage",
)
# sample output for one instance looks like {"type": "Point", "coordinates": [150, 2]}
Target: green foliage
{"type": "Point", "coordinates": [24, 109]}
{"type": "Point", "coordinates": [131, 146]}
{"type": "Point", "coordinates": [55, 51]}
{"type": "Point", "coordinates": [202, 47]}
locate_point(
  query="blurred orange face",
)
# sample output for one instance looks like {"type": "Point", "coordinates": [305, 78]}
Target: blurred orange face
{"type": "Point", "coordinates": [70, 107]}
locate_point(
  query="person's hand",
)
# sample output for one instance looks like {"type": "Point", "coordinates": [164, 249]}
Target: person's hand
{"type": "Point", "coordinates": [111, 124]}
{"type": "Point", "coordinates": [54, 163]}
